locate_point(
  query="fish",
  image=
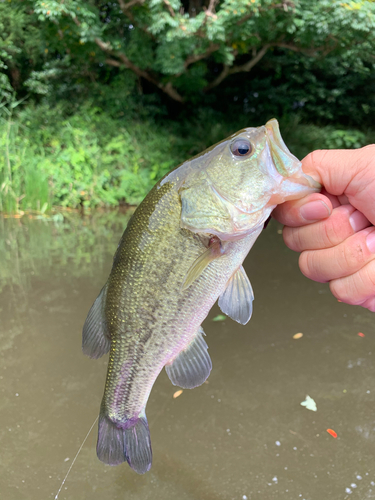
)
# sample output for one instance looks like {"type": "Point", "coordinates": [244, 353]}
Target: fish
{"type": "Point", "coordinates": [183, 250]}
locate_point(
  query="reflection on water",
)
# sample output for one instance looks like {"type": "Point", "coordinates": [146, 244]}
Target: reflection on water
{"type": "Point", "coordinates": [243, 435]}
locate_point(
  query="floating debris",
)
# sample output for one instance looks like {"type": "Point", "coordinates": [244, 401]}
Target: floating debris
{"type": "Point", "coordinates": [219, 317]}
{"type": "Point", "coordinates": [177, 393]}
{"type": "Point", "coordinates": [297, 336]}
{"type": "Point", "coordinates": [360, 334]}
{"type": "Point", "coordinates": [309, 403]}
{"type": "Point", "coordinates": [332, 432]}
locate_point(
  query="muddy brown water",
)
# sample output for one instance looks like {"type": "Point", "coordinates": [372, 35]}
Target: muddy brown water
{"type": "Point", "coordinates": [243, 435]}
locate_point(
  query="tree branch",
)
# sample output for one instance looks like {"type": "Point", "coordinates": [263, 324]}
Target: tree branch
{"type": "Point", "coordinates": [313, 52]}
{"type": "Point", "coordinates": [257, 56]}
{"type": "Point", "coordinates": [107, 48]}
{"type": "Point", "coordinates": [126, 6]}
{"type": "Point", "coordinates": [219, 79]}
{"type": "Point", "coordinates": [113, 62]}
{"type": "Point", "coordinates": [250, 64]}
{"type": "Point", "coordinates": [125, 61]}
{"type": "Point", "coordinates": [284, 6]}
{"type": "Point", "coordinates": [237, 69]}
{"type": "Point", "coordinates": [209, 11]}
{"type": "Point", "coordinates": [169, 6]}
{"type": "Point", "coordinates": [198, 57]}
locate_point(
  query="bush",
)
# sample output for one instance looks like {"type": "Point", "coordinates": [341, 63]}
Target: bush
{"type": "Point", "coordinates": [90, 159]}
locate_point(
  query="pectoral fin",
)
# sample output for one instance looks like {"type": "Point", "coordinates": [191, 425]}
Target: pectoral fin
{"type": "Point", "coordinates": [192, 366]}
{"type": "Point", "coordinates": [237, 299]}
{"type": "Point", "coordinates": [214, 251]}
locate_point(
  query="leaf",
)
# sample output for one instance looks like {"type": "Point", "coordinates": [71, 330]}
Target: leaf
{"type": "Point", "coordinates": [309, 403]}
{"type": "Point", "coordinates": [332, 432]}
{"type": "Point", "coordinates": [219, 317]}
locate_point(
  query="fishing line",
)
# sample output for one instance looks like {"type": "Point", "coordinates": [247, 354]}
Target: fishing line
{"type": "Point", "coordinates": [75, 458]}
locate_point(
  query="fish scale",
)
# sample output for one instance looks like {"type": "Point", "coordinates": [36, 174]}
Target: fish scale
{"type": "Point", "coordinates": [162, 278]}
{"type": "Point", "coordinates": [182, 250]}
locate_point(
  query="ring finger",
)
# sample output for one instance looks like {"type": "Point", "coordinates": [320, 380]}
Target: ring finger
{"type": "Point", "coordinates": [341, 260]}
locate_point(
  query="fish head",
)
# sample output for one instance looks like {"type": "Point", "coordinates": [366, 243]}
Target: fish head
{"type": "Point", "coordinates": [231, 188]}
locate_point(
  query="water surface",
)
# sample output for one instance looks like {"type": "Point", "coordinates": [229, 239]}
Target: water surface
{"type": "Point", "coordinates": [242, 435]}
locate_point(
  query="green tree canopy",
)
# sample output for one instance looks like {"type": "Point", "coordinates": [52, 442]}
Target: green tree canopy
{"type": "Point", "coordinates": [183, 48]}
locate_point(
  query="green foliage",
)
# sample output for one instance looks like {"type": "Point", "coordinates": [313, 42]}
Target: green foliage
{"type": "Point", "coordinates": [187, 49]}
{"type": "Point", "coordinates": [348, 139]}
{"type": "Point", "coordinates": [87, 159]}
{"type": "Point", "coordinates": [90, 159]}
{"type": "Point", "coordinates": [101, 79]}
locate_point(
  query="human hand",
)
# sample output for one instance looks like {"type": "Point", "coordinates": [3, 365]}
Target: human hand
{"type": "Point", "coordinates": [334, 230]}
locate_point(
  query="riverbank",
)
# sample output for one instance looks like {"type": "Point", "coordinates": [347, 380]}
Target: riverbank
{"type": "Point", "coordinates": [89, 159]}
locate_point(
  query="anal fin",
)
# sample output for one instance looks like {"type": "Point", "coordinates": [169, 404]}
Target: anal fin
{"type": "Point", "coordinates": [95, 336]}
{"type": "Point", "coordinates": [192, 366]}
{"type": "Point", "coordinates": [237, 299]}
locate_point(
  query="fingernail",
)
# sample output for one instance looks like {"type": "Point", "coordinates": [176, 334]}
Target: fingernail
{"type": "Point", "coordinates": [315, 210]}
{"type": "Point", "coordinates": [358, 221]}
{"type": "Point", "coordinates": [370, 242]}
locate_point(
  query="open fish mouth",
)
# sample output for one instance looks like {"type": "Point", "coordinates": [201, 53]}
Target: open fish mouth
{"type": "Point", "coordinates": [293, 181]}
{"type": "Point", "coordinates": [296, 182]}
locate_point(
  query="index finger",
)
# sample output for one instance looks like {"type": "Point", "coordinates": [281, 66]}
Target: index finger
{"type": "Point", "coordinates": [304, 211]}
{"type": "Point", "coordinates": [349, 172]}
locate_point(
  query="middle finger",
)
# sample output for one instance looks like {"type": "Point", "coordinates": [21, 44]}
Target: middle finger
{"type": "Point", "coordinates": [342, 223]}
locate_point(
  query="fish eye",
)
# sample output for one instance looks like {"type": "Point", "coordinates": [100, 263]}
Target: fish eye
{"type": "Point", "coordinates": [241, 147]}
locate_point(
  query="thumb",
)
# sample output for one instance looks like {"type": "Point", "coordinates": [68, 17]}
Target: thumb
{"type": "Point", "coordinates": [346, 171]}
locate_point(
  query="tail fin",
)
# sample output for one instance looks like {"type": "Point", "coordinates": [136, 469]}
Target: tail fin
{"type": "Point", "coordinates": [130, 442]}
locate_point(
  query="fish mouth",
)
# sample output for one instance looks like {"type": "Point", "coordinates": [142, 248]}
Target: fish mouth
{"type": "Point", "coordinates": [286, 163]}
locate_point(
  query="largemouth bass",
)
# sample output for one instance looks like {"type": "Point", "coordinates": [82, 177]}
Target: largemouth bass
{"type": "Point", "coordinates": [182, 250]}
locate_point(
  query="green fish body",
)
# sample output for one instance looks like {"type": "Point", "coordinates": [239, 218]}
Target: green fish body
{"type": "Point", "coordinates": [182, 250]}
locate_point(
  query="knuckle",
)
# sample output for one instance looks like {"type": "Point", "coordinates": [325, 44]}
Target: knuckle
{"type": "Point", "coordinates": [369, 276]}
{"type": "Point", "coordinates": [352, 257]}
{"type": "Point", "coordinates": [307, 264]}
{"type": "Point", "coordinates": [356, 288]}
{"type": "Point", "coordinates": [342, 290]}
{"type": "Point", "coordinates": [369, 304]}
{"type": "Point", "coordinates": [291, 238]}
{"type": "Point", "coordinates": [336, 229]}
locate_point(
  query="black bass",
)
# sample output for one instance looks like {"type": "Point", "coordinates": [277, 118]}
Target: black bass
{"type": "Point", "coordinates": [182, 250]}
